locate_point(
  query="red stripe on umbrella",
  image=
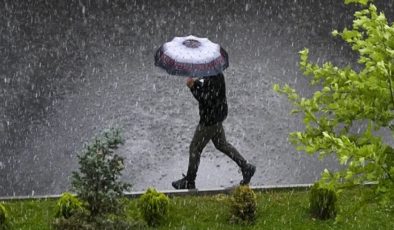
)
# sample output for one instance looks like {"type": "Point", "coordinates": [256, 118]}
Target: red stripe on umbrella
{"type": "Point", "coordinates": [191, 56]}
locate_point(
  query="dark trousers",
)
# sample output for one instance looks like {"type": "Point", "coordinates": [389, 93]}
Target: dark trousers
{"type": "Point", "coordinates": [202, 136]}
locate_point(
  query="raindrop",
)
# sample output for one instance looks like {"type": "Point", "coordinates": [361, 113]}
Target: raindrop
{"type": "Point", "coordinates": [247, 7]}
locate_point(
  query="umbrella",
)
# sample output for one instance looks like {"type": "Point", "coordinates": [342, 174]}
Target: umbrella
{"type": "Point", "coordinates": [191, 56]}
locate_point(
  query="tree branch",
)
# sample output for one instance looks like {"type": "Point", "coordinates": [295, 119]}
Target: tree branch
{"type": "Point", "coordinates": [388, 173]}
{"type": "Point", "coordinates": [391, 87]}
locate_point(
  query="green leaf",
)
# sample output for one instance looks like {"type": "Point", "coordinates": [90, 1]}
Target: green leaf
{"type": "Point", "coordinates": [344, 159]}
{"type": "Point", "coordinates": [276, 87]}
{"type": "Point", "coordinates": [325, 134]}
{"type": "Point", "coordinates": [362, 2]}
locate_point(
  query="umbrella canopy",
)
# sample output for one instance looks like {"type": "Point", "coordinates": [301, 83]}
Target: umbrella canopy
{"type": "Point", "coordinates": [191, 56]}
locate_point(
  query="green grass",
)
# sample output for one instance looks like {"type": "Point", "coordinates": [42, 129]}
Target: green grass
{"type": "Point", "coordinates": [31, 214]}
{"type": "Point", "coordinates": [276, 210]}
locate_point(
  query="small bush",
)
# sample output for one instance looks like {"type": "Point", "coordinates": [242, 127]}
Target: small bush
{"type": "Point", "coordinates": [97, 182]}
{"type": "Point", "coordinates": [243, 204]}
{"type": "Point", "coordinates": [4, 224]}
{"type": "Point", "coordinates": [154, 207]}
{"type": "Point", "coordinates": [322, 202]}
{"type": "Point", "coordinates": [67, 205]}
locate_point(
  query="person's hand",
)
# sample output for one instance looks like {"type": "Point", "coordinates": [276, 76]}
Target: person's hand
{"type": "Point", "coordinates": [189, 82]}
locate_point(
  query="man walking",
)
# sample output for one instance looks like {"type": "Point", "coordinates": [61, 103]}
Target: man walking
{"type": "Point", "coordinates": [210, 92]}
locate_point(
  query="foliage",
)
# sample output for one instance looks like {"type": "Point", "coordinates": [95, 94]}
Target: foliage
{"type": "Point", "coordinates": [97, 182]}
{"type": "Point", "coordinates": [79, 223]}
{"type": "Point", "coordinates": [116, 222]}
{"type": "Point", "coordinates": [243, 205]}
{"type": "Point", "coordinates": [323, 202]}
{"type": "Point", "coordinates": [154, 207]}
{"type": "Point", "coordinates": [67, 205]}
{"type": "Point", "coordinates": [350, 96]}
{"type": "Point", "coordinates": [362, 2]}
{"type": "Point", "coordinates": [4, 216]}
{"type": "Point", "coordinates": [281, 209]}
{"type": "Point", "coordinates": [81, 220]}
{"type": "Point", "coordinates": [78, 220]}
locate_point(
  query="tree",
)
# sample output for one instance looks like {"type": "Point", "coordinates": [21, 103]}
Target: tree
{"type": "Point", "coordinates": [348, 95]}
{"type": "Point", "coordinates": [97, 182]}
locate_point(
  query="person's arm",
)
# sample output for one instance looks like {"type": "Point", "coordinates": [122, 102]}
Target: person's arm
{"type": "Point", "coordinates": [196, 87]}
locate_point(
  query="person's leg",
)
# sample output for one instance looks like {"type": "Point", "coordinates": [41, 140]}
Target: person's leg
{"type": "Point", "coordinates": [202, 136]}
{"type": "Point", "coordinates": [220, 142]}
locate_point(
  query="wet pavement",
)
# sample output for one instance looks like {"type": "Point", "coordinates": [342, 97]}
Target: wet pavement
{"type": "Point", "coordinates": [69, 69]}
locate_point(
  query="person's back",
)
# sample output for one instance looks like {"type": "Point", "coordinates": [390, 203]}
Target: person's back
{"type": "Point", "coordinates": [210, 92]}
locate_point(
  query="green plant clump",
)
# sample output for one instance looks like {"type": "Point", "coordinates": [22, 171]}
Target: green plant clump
{"type": "Point", "coordinates": [154, 207]}
{"type": "Point", "coordinates": [243, 205]}
{"type": "Point", "coordinates": [3, 214]}
{"type": "Point", "coordinates": [97, 182]}
{"type": "Point", "coordinates": [323, 202]}
{"type": "Point", "coordinates": [74, 222]}
{"type": "Point", "coordinates": [3, 217]}
{"type": "Point", "coordinates": [67, 205]}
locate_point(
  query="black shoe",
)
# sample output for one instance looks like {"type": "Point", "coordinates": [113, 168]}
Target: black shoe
{"type": "Point", "coordinates": [183, 184]}
{"type": "Point", "coordinates": [247, 173]}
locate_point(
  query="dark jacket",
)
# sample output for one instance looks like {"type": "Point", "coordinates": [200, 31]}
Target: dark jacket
{"type": "Point", "coordinates": [210, 93]}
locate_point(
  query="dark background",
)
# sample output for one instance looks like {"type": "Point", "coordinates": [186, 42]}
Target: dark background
{"type": "Point", "coordinates": [69, 69]}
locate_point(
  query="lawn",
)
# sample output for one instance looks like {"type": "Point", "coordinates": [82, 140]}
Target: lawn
{"type": "Point", "coordinates": [276, 210]}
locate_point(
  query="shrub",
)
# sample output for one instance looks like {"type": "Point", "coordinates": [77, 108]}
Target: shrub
{"type": "Point", "coordinates": [97, 182]}
{"type": "Point", "coordinates": [67, 205]}
{"type": "Point", "coordinates": [322, 202]}
{"type": "Point", "coordinates": [243, 204]}
{"type": "Point", "coordinates": [154, 206]}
